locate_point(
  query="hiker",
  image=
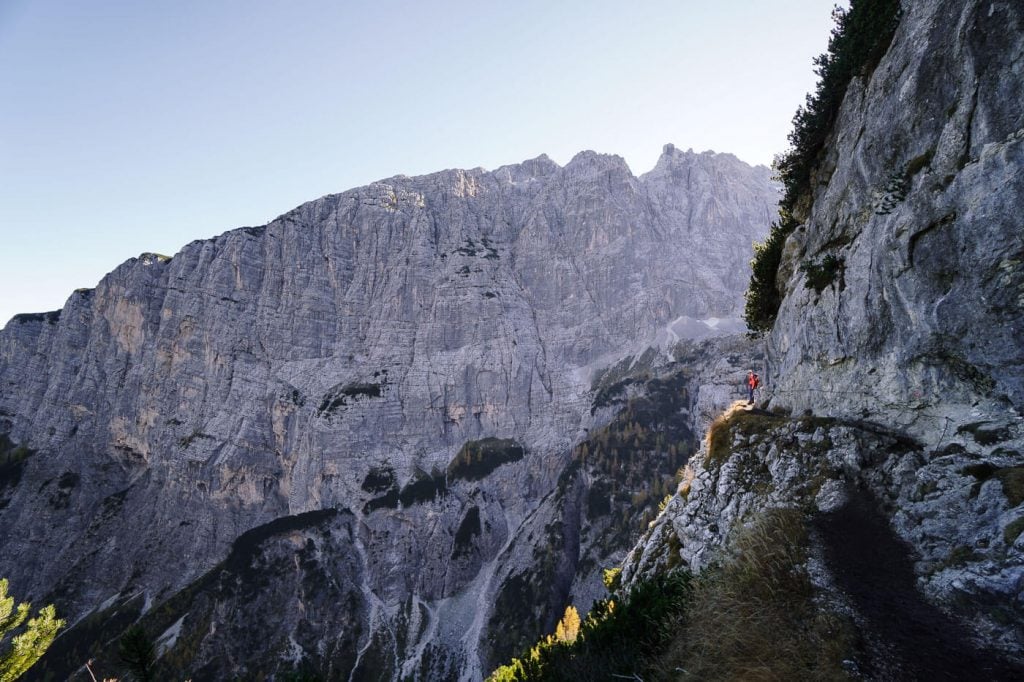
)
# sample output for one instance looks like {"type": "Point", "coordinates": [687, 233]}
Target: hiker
{"type": "Point", "coordinates": [753, 382]}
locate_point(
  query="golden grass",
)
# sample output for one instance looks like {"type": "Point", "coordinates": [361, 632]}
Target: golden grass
{"type": "Point", "coordinates": [719, 436]}
{"type": "Point", "coordinates": [752, 617]}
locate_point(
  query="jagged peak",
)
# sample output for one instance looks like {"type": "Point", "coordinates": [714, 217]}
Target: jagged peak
{"type": "Point", "coordinates": [589, 161]}
{"type": "Point", "coordinates": [673, 156]}
{"type": "Point", "coordinates": [537, 167]}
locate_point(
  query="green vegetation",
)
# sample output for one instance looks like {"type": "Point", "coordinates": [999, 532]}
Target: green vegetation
{"type": "Point", "coordinates": [34, 638]}
{"type": "Point", "coordinates": [137, 653]}
{"type": "Point", "coordinates": [616, 637]}
{"type": "Point", "coordinates": [750, 617]}
{"type": "Point", "coordinates": [985, 433]}
{"type": "Point", "coordinates": [958, 556]}
{"type": "Point", "coordinates": [720, 437]}
{"type": "Point", "coordinates": [339, 397]}
{"type": "Point", "coordinates": [423, 488]}
{"type": "Point", "coordinates": [1011, 478]}
{"type": "Point", "coordinates": [468, 529]}
{"type": "Point", "coordinates": [51, 317]}
{"type": "Point", "coordinates": [609, 492]}
{"type": "Point", "coordinates": [379, 479]}
{"type": "Point", "coordinates": [478, 458]}
{"type": "Point", "coordinates": [388, 500]}
{"type": "Point", "coordinates": [820, 275]}
{"type": "Point", "coordinates": [87, 638]}
{"type": "Point", "coordinates": [859, 40]}
{"type": "Point", "coordinates": [1013, 531]}
{"type": "Point", "coordinates": [12, 462]}
{"type": "Point", "coordinates": [763, 297]}
{"type": "Point", "coordinates": [193, 437]}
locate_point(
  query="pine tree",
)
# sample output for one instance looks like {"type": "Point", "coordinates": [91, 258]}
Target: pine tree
{"type": "Point", "coordinates": [136, 650]}
{"type": "Point", "coordinates": [25, 648]}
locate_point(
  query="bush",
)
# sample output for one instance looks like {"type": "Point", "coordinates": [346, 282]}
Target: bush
{"type": "Point", "coordinates": [821, 275]}
{"type": "Point", "coordinates": [12, 461]}
{"type": "Point", "coordinates": [1013, 531]}
{"type": "Point", "coordinates": [476, 459]}
{"type": "Point", "coordinates": [617, 637]}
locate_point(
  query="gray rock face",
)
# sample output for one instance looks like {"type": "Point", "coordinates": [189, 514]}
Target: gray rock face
{"type": "Point", "coordinates": [920, 196]}
{"type": "Point", "coordinates": [924, 330]}
{"type": "Point", "coordinates": [911, 359]}
{"type": "Point", "coordinates": [342, 357]}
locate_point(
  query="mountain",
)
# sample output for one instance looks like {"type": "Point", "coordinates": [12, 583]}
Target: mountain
{"type": "Point", "coordinates": [892, 417]}
{"type": "Point", "coordinates": [388, 434]}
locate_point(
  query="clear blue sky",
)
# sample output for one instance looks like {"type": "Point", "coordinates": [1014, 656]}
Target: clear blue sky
{"type": "Point", "coordinates": [140, 125]}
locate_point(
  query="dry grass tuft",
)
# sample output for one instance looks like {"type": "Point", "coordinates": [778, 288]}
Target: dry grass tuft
{"type": "Point", "coordinates": [720, 432]}
{"type": "Point", "coordinates": [685, 481]}
{"type": "Point", "coordinates": [736, 418]}
{"type": "Point", "coordinates": [752, 617]}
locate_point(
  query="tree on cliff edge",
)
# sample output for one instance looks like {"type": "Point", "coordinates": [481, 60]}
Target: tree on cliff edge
{"type": "Point", "coordinates": [26, 648]}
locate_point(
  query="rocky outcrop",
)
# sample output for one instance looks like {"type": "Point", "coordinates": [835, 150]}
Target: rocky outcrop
{"type": "Point", "coordinates": [896, 360]}
{"type": "Point", "coordinates": [899, 515]}
{"type": "Point", "coordinates": [418, 354]}
{"type": "Point", "coordinates": [918, 204]}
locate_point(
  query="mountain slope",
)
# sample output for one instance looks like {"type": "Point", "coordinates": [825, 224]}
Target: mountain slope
{"type": "Point", "coordinates": [418, 353]}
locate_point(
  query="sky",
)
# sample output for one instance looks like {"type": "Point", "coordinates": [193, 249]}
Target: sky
{"type": "Point", "coordinates": [128, 126]}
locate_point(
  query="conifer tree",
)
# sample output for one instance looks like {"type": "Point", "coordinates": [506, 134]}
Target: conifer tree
{"type": "Point", "coordinates": [27, 647]}
{"type": "Point", "coordinates": [136, 650]}
{"type": "Point", "coordinates": [569, 627]}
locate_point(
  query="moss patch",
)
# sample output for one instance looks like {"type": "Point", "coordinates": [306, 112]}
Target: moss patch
{"type": "Point", "coordinates": [1011, 478]}
{"type": "Point", "coordinates": [1013, 531]}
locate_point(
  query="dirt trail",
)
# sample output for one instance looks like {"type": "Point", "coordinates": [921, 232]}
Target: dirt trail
{"type": "Point", "coordinates": [907, 637]}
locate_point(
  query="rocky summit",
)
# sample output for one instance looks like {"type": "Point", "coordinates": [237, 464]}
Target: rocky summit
{"type": "Point", "coordinates": [388, 435]}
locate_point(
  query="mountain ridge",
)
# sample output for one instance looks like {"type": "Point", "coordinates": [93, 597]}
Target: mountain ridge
{"type": "Point", "coordinates": [342, 356]}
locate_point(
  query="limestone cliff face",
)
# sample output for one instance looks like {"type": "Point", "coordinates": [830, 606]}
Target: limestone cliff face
{"type": "Point", "coordinates": [910, 360]}
{"type": "Point", "coordinates": [919, 195]}
{"type": "Point", "coordinates": [418, 354]}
